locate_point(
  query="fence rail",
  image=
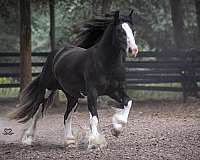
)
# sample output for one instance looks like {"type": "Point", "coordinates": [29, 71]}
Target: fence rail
{"type": "Point", "coordinates": [145, 72]}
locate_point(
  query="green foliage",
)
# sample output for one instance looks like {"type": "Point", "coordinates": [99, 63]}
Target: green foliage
{"type": "Point", "coordinates": [152, 21]}
{"type": "Point", "coordinates": [9, 26]}
{"type": "Point", "coordinates": [40, 27]}
{"type": "Point", "coordinates": [8, 92]}
{"type": "Point", "coordinates": [69, 15]}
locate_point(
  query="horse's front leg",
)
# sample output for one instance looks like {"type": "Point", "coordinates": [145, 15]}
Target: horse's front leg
{"type": "Point", "coordinates": [120, 117]}
{"type": "Point", "coordinates": [95, 138]}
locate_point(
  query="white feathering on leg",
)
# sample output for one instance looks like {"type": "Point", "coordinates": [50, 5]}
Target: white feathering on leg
{"type": "Point", "coordinates": [95, 139]}
{"type": "Point", "coordinates": [28, 135]}
{"type": "Point", "coordinates": [69, 138]}
{"type": "Point", "coordinates": [121, 116]}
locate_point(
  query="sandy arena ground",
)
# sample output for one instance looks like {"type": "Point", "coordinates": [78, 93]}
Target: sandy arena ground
{"type": "Point", "coordinates": [156, 130]}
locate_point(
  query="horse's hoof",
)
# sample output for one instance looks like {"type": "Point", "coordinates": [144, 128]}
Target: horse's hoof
{"type": "Point", "coordinates": [27, 140]}
{"type": "Point", "coordinates": [115, 132]}
{"type": "Point", "coordinates": [97, 142]}
{"type": "Point", "coordinates": [70, 142]}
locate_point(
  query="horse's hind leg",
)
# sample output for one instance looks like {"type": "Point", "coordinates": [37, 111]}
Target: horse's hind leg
{"type": "Point", "coordinates": [29, 132]}
{"type": "Point", "coordinates": [71, 106]}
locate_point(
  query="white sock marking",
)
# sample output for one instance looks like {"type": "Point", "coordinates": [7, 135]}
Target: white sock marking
{"type": "Point", "coordinates": [121, 116]}
{"type": "Point", "coordinates": [95, 138]}
{"type": "Point", "coordinates": [93, 125]}
{"type": "Point", "coordinates": [30, 131]}
{"type": "Point", "coordinates": [68, 124]}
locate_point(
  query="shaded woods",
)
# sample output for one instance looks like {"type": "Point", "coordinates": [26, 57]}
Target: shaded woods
{"type": "Point", "coordinates": [154, 21]}
{"type": "Point", "coordinates": [160, 25]}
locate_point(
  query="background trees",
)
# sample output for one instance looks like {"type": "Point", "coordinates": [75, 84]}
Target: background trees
{"type": "Point", "coordinates": [178, 24]}
{"type": "Point", "coordinates": [160, 25]}
{"type": "Point", "coordinates": [154, 21]}
{"type": "Point", "coordinates": [100, 7]}
{"type": "Point", "coordinates": [197, 7]}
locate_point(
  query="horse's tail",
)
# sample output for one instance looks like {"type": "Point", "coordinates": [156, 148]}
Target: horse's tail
{"type": "Point", "coordinates": [30, 99]}
{"type": "Point", "coordinates": [34, 95]}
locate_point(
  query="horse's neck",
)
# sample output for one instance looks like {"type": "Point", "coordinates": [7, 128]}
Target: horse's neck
{"type": "Point", "coordinates": [107, 38]}
{"type": "Point", "coordinates": [109, 51]}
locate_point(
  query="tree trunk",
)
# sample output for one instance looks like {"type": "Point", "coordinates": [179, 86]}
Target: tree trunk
{"type": "Point", "coordinates": [25, 44]}
{"type": "Point", "coordinates": [189, 88]}
{"type": "Point", "coordinates": [178, 24]}
{"type": "Point", "coordinates": [100, 7]}
{"type": "Point", "coordinates": [197, 5]}
{"type": "Point", "coordinates": [52, 23]}
{"type": "Point", "coordinates": [52, 40]}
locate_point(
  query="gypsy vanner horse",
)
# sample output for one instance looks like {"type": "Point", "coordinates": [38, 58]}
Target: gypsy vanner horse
{"type": "Point", "coordinates": [78, 72]}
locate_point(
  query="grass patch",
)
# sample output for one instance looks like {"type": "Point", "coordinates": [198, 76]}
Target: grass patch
{"type": "Point", "coordinates": [157, 95]}
{"type": "Point", "coordinates": [8, 92]}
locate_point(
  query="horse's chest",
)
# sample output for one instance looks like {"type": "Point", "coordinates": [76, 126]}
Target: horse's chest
{"type": "Point", "coordinates": [115, 76]}
{"type": "Point", "coordinates": [110, 81]}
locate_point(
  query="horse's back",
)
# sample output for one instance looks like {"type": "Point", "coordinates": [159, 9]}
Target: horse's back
{"type": "Point", "coordinates": [68, 58]}
{"type": "Point", "coordinates": [68, 68]}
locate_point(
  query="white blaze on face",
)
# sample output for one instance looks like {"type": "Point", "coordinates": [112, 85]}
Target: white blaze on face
{"type": "Point", "coordinates": [131, 45]}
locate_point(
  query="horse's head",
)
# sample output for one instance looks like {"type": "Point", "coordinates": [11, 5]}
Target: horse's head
{"type": "Point", "coordinates": [125, 33]}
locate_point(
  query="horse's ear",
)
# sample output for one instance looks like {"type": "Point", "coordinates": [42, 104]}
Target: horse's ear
{"type": "Point", "coordinates": [131, 13]}
{"type": "Point", "coordinates": [116, 17]}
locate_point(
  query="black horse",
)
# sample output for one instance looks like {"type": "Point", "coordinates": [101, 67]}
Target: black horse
{"type": "Point", "coordinates": [78, 72]}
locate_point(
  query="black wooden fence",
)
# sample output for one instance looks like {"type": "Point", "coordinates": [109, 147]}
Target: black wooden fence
{"type": "Point", "coordinates": [9, 66]}
{"type": "Point", "coordinates": [176, 71]}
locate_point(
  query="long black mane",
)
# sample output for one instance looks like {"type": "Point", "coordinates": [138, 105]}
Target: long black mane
{"type": "Point", "coordinates": [91, 31]}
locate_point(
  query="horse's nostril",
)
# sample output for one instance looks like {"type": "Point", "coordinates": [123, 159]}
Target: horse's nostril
{"type": "Point", "coordinates": [129, 50]}
{"type": "Point", "coordinates": [135, 50]}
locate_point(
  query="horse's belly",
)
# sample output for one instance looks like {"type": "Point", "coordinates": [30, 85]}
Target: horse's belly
{"type": "Point", "coordinates": [74, 89]}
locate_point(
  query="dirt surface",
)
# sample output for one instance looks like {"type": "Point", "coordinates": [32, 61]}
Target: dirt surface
{"type": "Point", "coordinates": [156, 130]}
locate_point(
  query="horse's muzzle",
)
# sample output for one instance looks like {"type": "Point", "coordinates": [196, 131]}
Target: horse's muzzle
{"type": "Point", "coordinates": [132, 52]}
